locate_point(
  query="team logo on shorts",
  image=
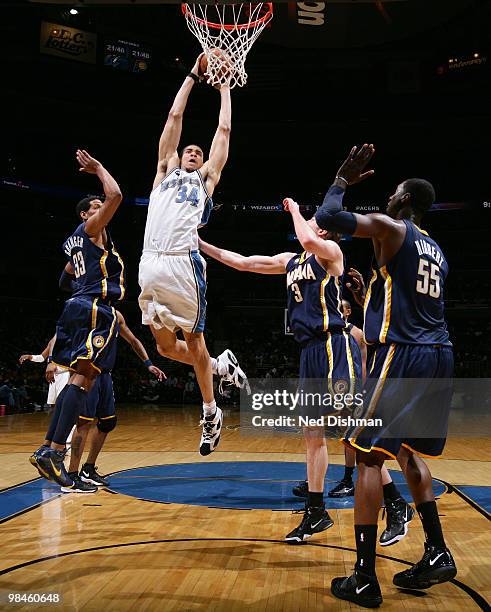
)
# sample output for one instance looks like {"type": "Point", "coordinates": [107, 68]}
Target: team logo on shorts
{"type": "Point", "coordinates": [98, 342]}
{"type": "Point", "coordinates": [341, 386]}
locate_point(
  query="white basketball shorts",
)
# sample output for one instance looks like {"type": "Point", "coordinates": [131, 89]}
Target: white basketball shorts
{"type": "Point", "coordinates": [173, 288]}
{"type": "Point", "coordinates": [62, 376]}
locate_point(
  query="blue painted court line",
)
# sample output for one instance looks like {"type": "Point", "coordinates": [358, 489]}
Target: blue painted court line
{"type": "Point", "coordinates": [20, 498]}
{"type": "Point", "coordinates": [244, 485]}
{"type": "Point", "coordinates": [480, 495]}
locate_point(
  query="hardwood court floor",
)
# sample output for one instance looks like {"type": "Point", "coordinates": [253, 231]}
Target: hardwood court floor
{"type": "Point", "coordinates": [116, 552]}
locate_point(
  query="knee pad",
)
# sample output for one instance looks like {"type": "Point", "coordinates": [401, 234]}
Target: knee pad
{"type": "Point", "coordinates": [107, 425]}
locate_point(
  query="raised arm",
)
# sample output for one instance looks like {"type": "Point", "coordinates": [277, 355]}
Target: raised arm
{"type": "Point", "coordinates": [331, 216]}
{"type": "Point", "coordinates": [101, 218]}
{"type": "Point", "coordinates": [327, 251]}
{"type": "Point", "coordinates": [138, 348]}
{"type": "Point", "coordinates": [254, 263]}
{"type": "Point", "coordinates": [219, 147]}
{"type": "Point", "coordinates": [171, 134]}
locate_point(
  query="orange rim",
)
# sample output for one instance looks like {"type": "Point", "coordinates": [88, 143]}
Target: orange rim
{"type": "Point", "coordinates": [186, 11]}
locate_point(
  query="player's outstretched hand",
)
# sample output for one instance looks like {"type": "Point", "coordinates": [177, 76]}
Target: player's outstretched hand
{"type": "Point", "coordinates": [87, 163]}
{"type": "Point", "coordinates": [157, 373]}
{"type": "Point", "coordinates": [23, 358]}
{"type": "Point", "coordinates": [352, 169]}
{"type": "Point", "coordinates": [357, 286]}
{"type": "Point", "coordinates": [290, 205]}
{"type": "Point", "coordinates": [50, 372]}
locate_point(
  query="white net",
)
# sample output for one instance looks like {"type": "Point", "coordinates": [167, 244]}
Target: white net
{"type": "Point", "coordinates": [226, 33]}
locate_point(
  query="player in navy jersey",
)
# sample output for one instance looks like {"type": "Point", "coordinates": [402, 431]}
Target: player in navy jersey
{"type": "Point", "coordinates": [100, 404]}
{"type": "Point", "coordinates": [314, 281]}
{"type": "Point", "coordinates": [399, 512]}
{"type": "Point", "coordinates": [314, 301]}
{"type": "Point", "coordinates": [101, 411]}
{"type": "Point", "coordinates": [405, 326]}
{"type": "Point", "coordinates": [89, 317]}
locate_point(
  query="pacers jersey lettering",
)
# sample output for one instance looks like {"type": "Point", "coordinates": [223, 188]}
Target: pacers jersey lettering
{"type": "Point", "coordinates": [178, 206]}
{"type": "Point", "coordinates": [404, 302]}
{"type": "Point", "coordinates": [314, 299]}
{"type": "Point", "coordinates": [98, 272]}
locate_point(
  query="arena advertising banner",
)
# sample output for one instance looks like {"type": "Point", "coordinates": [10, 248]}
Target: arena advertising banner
{"type": "Point", "coordinates": [68, 42]}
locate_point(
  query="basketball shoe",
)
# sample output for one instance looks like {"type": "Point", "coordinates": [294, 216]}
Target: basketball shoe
{"type": "Point", "coordinates": [360, 588]}
{"type": "Point", "coordinates": [302, 489]}
{"type": "Point", "coordinates": [436, 566]}
{"type": "Point", "coordinates": [50, 465]}
{"type": "Point", "coordinates": [315, 520]}
{"type": "Point", "coordinates": [210, 436]}
{"type": "Point", "coordinates": [33, 460]}
{"type": "Point", "coordinates": [89, 474]}
{"type": "Point", "coordinates": [78, 486]}
{"type": "Point", "coordinates": [399, 515]}
{"type": "Point", "coordinates": [345, 488]}
{"type": "Point", "coordinates": [230, 372]}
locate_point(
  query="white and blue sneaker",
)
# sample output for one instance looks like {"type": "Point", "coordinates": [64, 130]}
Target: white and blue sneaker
{"type": "Point", "coordinates": [210, 437]}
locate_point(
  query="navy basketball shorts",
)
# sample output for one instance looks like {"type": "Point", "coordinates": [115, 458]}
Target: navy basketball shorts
{"type": "Point", "coordinates": [414, 413]}
{"type": "Point", "coordinates": [100, 401]}
{"type": "Point", "coordinates": [61, 353]}
{"type": "Point", "coordinates": [328, 368]}
{"type": "Point", "coordinates": [92, 330]}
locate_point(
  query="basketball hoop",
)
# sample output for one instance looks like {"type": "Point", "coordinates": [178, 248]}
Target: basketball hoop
{"type": "Point", "coordinates": [226, 34]}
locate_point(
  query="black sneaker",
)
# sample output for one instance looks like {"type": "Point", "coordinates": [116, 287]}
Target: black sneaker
{"type": "Point", "coordinates": [436, 566]}
{"type": "Point", "coordinates": [89, 474]}
{"type": "Point", "coordinates": [359, 588]}
{"type": "Point", "coordinates": [50, 465]}
{"type": "Point", "coordinates": [345, 488]}
{"type": "Point", "coordinates": [33, 460]}
{"type": "Point", "coordinates": [302, 489]}
{"type": "Point", "coordinates": [315, 520]}
{"type": "Point", "coordinates": [78, 486]}
{"type": "Point", "coordinates": [399, 514]}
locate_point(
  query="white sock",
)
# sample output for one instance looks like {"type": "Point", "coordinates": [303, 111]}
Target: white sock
{"type": "Point", "coordinates": [209, 409]}
{"type": "Point", "coordinates": [214, 365]}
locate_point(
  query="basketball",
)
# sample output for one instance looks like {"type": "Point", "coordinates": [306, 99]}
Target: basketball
{"type": "Point", "coordinates": [215, 64]}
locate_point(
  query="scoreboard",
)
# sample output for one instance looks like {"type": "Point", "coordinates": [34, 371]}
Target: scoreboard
{"type": "Point", "coordinates": [127, 56]}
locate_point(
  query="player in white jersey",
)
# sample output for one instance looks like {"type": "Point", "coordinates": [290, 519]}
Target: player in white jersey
{"type": "Point", "coordinates": [172, 272]}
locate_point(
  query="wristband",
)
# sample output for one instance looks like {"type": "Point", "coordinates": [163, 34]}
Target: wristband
{"type": "Point", "coordinates": [37, 358]}
{"type": "Point", "coordinates": [50, 358]}
{"type": "Point", "coordinates": [341, 178]}
{"type": "Point", "coordinates": [195, 77]}
{"type": "Point", "coordinates": [148, 363]}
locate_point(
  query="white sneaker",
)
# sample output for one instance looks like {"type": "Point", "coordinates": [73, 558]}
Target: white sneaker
{"type": "Point", "coordinates": [230, 372]}
{"type": "Point", "coordinates": [210, 437]}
